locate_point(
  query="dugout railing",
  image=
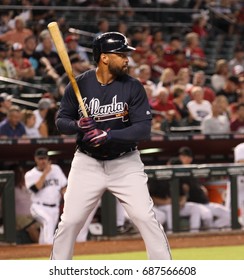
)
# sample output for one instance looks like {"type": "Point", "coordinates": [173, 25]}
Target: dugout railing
{"type": "Point", "coordinates": [206, 148]}
{"type": "Point", "coordinates": [175, 172]}
{"type": "Point", "coordinates": [7, 203]}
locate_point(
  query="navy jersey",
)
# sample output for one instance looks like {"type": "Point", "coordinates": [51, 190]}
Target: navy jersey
{"type": "Point", "coordinates": [115, 106]}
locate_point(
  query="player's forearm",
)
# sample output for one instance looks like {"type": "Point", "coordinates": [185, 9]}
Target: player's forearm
{"type": "Point", "coordinates": [67, 126]}
{"type": "Point", "coordinates": [134, 133]}
{"type": "Point", "coordinates": [39, 184]}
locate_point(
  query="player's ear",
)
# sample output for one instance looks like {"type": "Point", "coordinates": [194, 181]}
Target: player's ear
{"type": "Point", "coordinates": [104, 58]}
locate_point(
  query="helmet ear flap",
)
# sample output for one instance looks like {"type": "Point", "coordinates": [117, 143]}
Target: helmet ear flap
{"type": "Point", "coordinates": [96, 52]}
{"type": "Point", "coordinates": [96, 56]}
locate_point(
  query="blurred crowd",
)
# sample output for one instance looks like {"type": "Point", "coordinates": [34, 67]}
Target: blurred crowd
{"type": "Point", "coordinates": [182, 89]}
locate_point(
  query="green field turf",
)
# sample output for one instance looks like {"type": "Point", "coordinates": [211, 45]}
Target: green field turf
{"type": "Point", "coordinates": [206, 253]}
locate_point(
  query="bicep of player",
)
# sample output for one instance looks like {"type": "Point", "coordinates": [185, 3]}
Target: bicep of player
{"type": "Point", "coordinates": [139, 108]}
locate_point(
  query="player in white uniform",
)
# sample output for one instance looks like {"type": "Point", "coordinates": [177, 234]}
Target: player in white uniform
{"type": "Point", "coordinates": [238, 158]}
{"type": "Point", "coordinates": [45, 182]}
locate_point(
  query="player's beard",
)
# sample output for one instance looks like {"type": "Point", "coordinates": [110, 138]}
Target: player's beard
{"type": "Point", "coordinates": [118, 71]}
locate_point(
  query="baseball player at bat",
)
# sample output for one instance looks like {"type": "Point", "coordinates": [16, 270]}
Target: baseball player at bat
{"type": "Point", "coordinates": [107, 158]}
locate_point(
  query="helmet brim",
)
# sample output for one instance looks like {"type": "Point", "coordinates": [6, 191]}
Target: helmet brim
{"type": "Point", "coordinates": [124, 49]}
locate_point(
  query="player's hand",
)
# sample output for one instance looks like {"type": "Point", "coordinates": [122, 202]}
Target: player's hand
{"type": "Point", "coordinates": [96, 137]}
{"type": "Point", "coordinates": [47, 168]}
{"type": "Point", "coordinates": [86, 124]}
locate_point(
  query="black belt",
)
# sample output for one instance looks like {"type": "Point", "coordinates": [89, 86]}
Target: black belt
{"type": "Point", "coordinates": [48, 205]}
{"type": "Point", "coordinates": [106, 157]}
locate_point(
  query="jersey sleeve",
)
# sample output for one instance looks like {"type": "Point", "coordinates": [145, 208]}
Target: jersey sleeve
{"type": "Point", "coordinates": [68, 113]}
{"type": "Point", "coordinates": [139, 108]}
{"type": "Point", "coordinates": [61, 176]}
{"type": "Point", "coordinates": [30, 179]}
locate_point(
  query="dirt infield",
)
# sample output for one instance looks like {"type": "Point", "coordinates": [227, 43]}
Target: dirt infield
{"type": "Point", "coordinates": [8, 252]}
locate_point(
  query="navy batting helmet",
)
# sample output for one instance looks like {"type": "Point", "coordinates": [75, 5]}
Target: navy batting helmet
{"type": "Point", "coordinates": [110, 42]}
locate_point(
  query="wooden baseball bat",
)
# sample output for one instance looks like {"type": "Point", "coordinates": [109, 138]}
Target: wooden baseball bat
{"type": "Point", "coordinates": [63, 55]}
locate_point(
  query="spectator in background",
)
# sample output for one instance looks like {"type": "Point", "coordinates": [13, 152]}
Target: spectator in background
{"type": "Point", "coordinates": [18, 34]}
{"type": "Point", "coordinates": [194, 52]}
{"type": "Point", "coordinates": [103, 26]}
{"type": "Point", "coordinates": [46, 50]}
{"type": "Point", "coordinates": [199, 26]}
{"type": "Point", "coordinates": [224, 105]}
{"type": "Point", "coordinates": [78, 67]}
{"type": "Point", "coordinates": [175, 44]}
{"type": "Point", "coordinates": [199, 79]}
{"type": "Point", "coordinates": [159, 64]}
{"type": "Point", "coordinates": [158, 39]}
{"type": "Point", "coordinates": [147, 34]}
{"type": "Point", "coordinates": [5, 17]}
{"type": "Point", "coordinates": [46, 182]}
{"type": "Point", "coordinates": [24, 69]}
{"type": "Point", "coordinates": [238, 59]}
{"type": "Point", "coordinates": [217, 122]}
{"type": "Point", "coordinates": [198, 107]}
{"type": "Point", "coordinates": [43, 15]}
{"type": "Point", "coordinates": [5, 104]}
{"type": "Point", "coordinates": [179, 102]}
{"type": "Point", "coordinates": [25, 13]}
{"type": "Point", "coordinates": [72, 44]}
{"type": "Point", "coordinates": [136, 58]}
{"type": "Point", "coordinates": [241, 88]}
{"type": "Point", "coordinates": [148, 56]}
{"type": "Point", "coordinates": [224, 17]}
{"type": "Point", "coordinates": [48, 126]}
{"type": "Point", "coordinates": [238, 71]}
{"type": "Point", "coordinates": [237, 124]}
{"type": "Point", "coordinates": [220, 75]}
{"type": "Point", "coordinates": [122, 27]}
{"type": "Point", "coordinates": [138, 36]}
{"type": "Point", "coordinates": [24, 219]}
{"type": "Point", "coordinates": [180, 61]}
{"type": "Point", "coordinates": [234, 106]}
{"type": "Point", "coordinates": [240, 19]}
{"type": "Point", "coordinates": [166, 114]}
{"type": "Point", "coordinates": [12, 127]}
{"type": "Point", "coordinates": [43, 105]}
{"type": "Point", "coordinates": [167, 80]}
{"type": "Point", "coordinates": [29, 120]}
{"type": "Point", "coordinates": [29, 51]}
{"type": "Point", "coordinates": [230, 89]}
{"type": "Point", "coordinates": [7, 68]}
{"type": "Point", "coordinates": [2, 113]}
{"type": "Point", "coordinates": [183, 78]}
{"type": "Point", "coordinates": [144, 76]}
